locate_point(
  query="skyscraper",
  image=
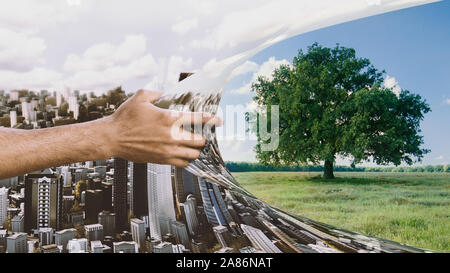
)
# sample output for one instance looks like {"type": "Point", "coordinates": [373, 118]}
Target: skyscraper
{"type": "Point", "coordinates": [120, 193]}
{"type": "Point", "coordinates": [140, 202]}
{"type": "Point", "coordinates": [215, 208]}
{"type": "Point", "coordinates": [107, 196]}
{"type": "Point", "coordinates": [160, 197]}
{"type": "Point", "coordinates": [93, 205]}
{"type": "Point", "coordinates": [223, 236]}
{"type": "Point", "coordinates": [185, 183]}
{"type": "Point", "coordinates": [179, 184]}
{"type": "Point", "coordinates": [108, 221]}
{"type": "Point", "coordinates": [190, 211]}
{"type": "Point", "coordinates": [17, 243]}
{"type": "Point", "coordinates": [181, 235]}
{"type": "Point", "coordinates": [94, 232]}
{"type": "Point", "coordinates": [67, 176]}
{"type": "Point", "coordinates": [46, 236]}
{"type": "Point", "coordinates": [4, 203]}
{"type": "Point", "coordinates": [62, 237]}
{"type": "Point", "coordinates": [18, 223]}
{"type": "Point", "coordinates": [13, 118]}
{"type": "Point", "coordinates": [43, 200]}
{"type": "Point", "coordinates": [138, 231]}
{"type": "Point", "coordinates": [259, 240]}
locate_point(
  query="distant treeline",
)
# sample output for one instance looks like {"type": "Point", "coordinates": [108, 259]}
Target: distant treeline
{"type": "Point", "coordinates": [257, 167]}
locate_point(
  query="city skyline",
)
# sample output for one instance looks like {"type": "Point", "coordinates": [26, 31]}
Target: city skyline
{"type": "Point", "coordinates": [89, 206]}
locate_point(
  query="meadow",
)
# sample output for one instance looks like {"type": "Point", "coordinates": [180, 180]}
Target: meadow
{"type": "Point", "coordinates": [411, 208]}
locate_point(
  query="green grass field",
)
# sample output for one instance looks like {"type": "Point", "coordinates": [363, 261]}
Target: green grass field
{"type": "Point", "coordinates": [411, 208]}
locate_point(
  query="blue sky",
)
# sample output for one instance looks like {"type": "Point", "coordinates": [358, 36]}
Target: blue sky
{"type": "Point", "coordinates": [98, 45]}
{"type": "Point", "coordinates": [412, 45]}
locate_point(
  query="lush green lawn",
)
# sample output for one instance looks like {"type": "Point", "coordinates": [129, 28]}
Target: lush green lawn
{"type": "Point", "coordinates": [412, 208]}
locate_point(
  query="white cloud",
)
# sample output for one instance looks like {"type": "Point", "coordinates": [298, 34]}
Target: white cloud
{"type": "Point", "coordinates": [391, 83]}
{"type": "Point", "coordinates": [35, 79]}
{"type": "Point", "coordinates": [185, 26]}
{"type": "Point", "coordinates": [246, 68]}
{"type": "Point", "coordinates": [441, 157]}
{"type": "Point", "coordinates": [20, 51]}
{"type": "Point", "coordinates": [106, 65]}
{"type": "Point", "coordinates": [105, 55]}
{"type": "Point", "coordinates": [31, 16]}
{"type": "Point", "coordinates": [166, 80]}
{"type": "Point", "coordinates": [447, 101]}
{"type": "Point", "coordinates": [230, 28]}
{"type": "Point", "coordinates": [265, 70]}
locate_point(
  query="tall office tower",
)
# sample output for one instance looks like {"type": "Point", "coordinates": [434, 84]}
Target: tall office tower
{"type": "Point", "coordinates": [213, 204]}
{"type": "Point", "coordinates": [185, 183]}
{"type": "Point", "coordinates": [179, 184]}
{"type": "Point", "coordinates": [46, 236]}
{"type": "Point", "coordinates": [165, 224]}
{"type": "Point", "coordinates": [73, 106]}
{"type": "Point", "coordinates": [197, 192]}
{"type": "Point", "coordinates": [27, 111]}
{"type": "Point", "coordinates": [68, 202]}
{"type": "Point", "coordinates": [58, 99]}
{"type": "Point", "coordinates": [4, 203]}
{"type": "Point", "coordinates": [17, 243]}
{"type": "Point", "coordinates": [94, 232]}
{"type": "Point", "coordinates": [221, 203]}
{"type": "Point", "coordinates": [67, 176]}
{"type": "Point", "coordinates": [93, 205]}
{"type": "Point", "coordinates": [43, 200]}
{"type": "Point", "coordinates": [223, 236]}
{"type": "Point", "coordinates": [120, 193]}
{"type": "Point", "coordinates": [18, 223]}
{"type": "Point", "coordinates": [138, 232]}
{"type": "Point", "coordinates": [107, 196]}
{"type": "Point", "coordinates": [78, 245]}
{"type": "Point", "coordinates": [13, 118]}
{"type": "Point", "coordinates": [62, 237]}
{"type": "Point", "coordinates": [130, 199]}
{"type": "Point", "coordinates": [181, 235]}
{"type": "Point", "coordinates": [164, 247]}
{"type": "Point", "coordinates": [125, 247]}
{"type": "Point", "coordinates": [190, 211]}
{"type": "Point", "coordinates": [259, 240]}
{"type": "Point", "coordinates": [108, 221]}
{"type": "Point", "coordinates": [160, 197]}
{"type": "Point", "coordinates": [140, 202]}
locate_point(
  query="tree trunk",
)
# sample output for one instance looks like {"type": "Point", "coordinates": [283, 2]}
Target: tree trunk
{"type": "Point", "coordinates": [328, 169]}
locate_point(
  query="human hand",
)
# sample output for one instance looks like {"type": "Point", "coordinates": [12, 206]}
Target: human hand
{"type": "Point", "coordinates": [142, 132]}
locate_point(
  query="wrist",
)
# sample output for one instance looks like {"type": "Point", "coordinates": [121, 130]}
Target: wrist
{"type": "Point", "coordinates": [106, 144]}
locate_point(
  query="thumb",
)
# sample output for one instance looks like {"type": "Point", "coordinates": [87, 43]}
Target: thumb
{"type": "Point", "coordinates": [147, 95]}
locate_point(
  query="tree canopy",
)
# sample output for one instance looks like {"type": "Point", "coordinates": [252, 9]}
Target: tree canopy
{"type": "Point", "coordinates": [333, 103]}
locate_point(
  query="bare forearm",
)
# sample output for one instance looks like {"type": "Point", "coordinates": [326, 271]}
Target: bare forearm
{"type": "Point", "coordinates": [138, 131]}
{"type": "Point", "coordinates": [24, 151]}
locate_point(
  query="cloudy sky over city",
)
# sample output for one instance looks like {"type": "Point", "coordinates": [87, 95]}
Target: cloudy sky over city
{"type": "Point", "coordinates": [97, 45]}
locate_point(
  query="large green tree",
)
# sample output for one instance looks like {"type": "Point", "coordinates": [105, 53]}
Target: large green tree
{"type": "Point", "coordinates": [333, 103]}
